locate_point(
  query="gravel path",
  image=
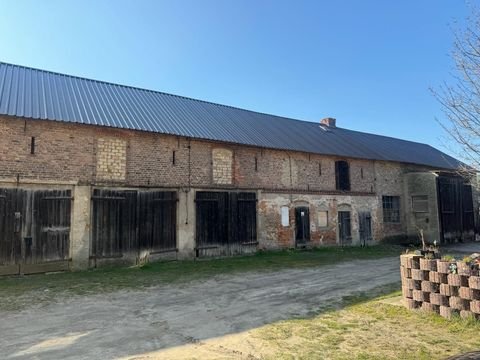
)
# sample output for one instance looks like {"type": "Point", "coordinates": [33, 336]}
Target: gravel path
{"type": "Point", "coordinates": [127, 323]}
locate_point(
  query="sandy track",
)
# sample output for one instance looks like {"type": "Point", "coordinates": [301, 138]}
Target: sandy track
{"type": "Point", "coordinates": [130, 323]}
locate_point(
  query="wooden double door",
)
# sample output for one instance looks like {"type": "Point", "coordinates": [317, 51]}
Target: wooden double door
{"type": "Point", "coordinates": [456, 211]}
{"type": "Point", "coordinates": [128, 223]}
{"type": "Point", "coordinates": [226, 223]}
{"type": "Point", "coordinates": [34, 230]}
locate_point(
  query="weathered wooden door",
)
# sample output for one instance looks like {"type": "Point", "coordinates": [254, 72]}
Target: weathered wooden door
{"type": "Point", "coordinates": [243, 218]}
{"type": "Point", "coordinates": [10, 232]}
{"type": "Point", "coordinates": [455, 204]}
{"type": "Point", "coordinates": [113, 223]}
{"type": "Point", "coordinates": [211, 221]}
{"type": "Point", "coordinates": [365, 227]}
{"type": "Point", "coordinates": [468, 215]}
{"type": "Point", "coordinates": [126, 223]}
{"type": "Point", "coordinates": [34, 230]}
{"type": "Point", "coordinates": [226, 223]}
{"type": "Point", "coordinates": [344, 228]}
{"type": "Point", "coordinates": [302, 225]}
{"type": "Point", "coordinates": [47, 244]}
{"type": "Point", "coordinates": [157, 218]}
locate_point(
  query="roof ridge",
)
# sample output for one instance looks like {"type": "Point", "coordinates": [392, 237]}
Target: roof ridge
{"type": "Point", "coordinates": [388, 137]}
{"type": "Point", "coordinates": [153, 91]}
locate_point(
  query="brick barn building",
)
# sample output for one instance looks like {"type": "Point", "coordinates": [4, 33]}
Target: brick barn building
{"type": "Point", "coordinates": [93, 172]}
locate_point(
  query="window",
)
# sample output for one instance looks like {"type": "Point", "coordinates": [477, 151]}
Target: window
{"type": "Point", "coordinates": [322, 218]}
{"type": "Point", "coordinates": [420, 203]}
{"type": "Point", "coordinates": [391, 209]}
{"type": "Point", "coordinates": [342, 175]}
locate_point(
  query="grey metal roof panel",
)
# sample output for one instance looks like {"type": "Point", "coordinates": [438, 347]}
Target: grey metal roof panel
{"type": "Point", "coordinates": [40, 94]}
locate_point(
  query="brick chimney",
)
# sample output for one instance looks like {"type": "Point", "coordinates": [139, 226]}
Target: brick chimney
{"type": "Point", "coordinates": [330, 122]}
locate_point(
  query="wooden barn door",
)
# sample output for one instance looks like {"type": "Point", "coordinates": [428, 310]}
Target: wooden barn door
{"type": "Point", "coordinates": [242, 222]}
{"type": "Point", "coordinates": [455, 204]}
{"type": "Point", "coordinates": [128, 223]}
{"type": "Point", "coordinates": [113, 223]}
{"type": "Point", "coordinates": [211, 222]}
{"type": "Point", "coordinates": [226, 223]}
{"type": "Point", "coordinates": [10, 232]}
{"type": "Point", "coordinates": [34, 230]}
{"type": "Point", "coordinates": [157, 219]}
{"type": "Point", "coordinates": [47, 240]}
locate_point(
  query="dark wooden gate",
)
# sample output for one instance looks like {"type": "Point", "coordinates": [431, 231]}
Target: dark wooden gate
{"type": "Point", "coordinates": [113, 223]}
{"type": "Point", "coordinates": [34, 230]}
{"type": "Point", "coordinates": [455, 204]}
{"type": "Point", "coordinates": [302, 225]}
{"type": "Point", "coordinates": [10, 232]}
{"type": "Point", "coordinates": [127, 222]}
{"type": "Point", "coordinates": [365, 227]}
{"type": "Point", "coordinates": [226, 223]}
{"type": "Point", "coordinates": [344, 228]}
{"type": "Point", "coordinates": [157, 219]}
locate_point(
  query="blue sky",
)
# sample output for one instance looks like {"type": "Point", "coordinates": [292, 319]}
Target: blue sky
{"type": "Point", "coordinates": [368, 63]}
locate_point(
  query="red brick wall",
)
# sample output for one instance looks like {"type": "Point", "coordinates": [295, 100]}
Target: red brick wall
{"type": "Point", "coordinates": [68, 152]}
{"type": "Point", "coordinates": [62, 151]}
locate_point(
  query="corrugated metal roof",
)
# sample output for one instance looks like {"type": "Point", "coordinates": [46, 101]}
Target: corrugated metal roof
{"type": "Point", "coordinates": [39, 94]}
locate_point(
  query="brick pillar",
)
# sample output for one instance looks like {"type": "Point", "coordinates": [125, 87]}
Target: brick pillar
{"type": "Point", "coordinates": [80, 228]}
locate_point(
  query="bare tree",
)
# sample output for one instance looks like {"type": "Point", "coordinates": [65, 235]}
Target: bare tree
{"type": "Point", "coordinates": [460, 99]}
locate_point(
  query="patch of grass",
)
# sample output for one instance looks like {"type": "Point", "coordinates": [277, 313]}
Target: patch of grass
{"type": "Point", "coordinates": [18, 292]}
{"type": "Point", "coordinates": [371, 329]}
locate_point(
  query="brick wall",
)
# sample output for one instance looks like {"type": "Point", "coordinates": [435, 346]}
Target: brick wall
{"type": "Point", "coordinates": [272, 234]}
{"type": "Point", "coordinates": [89, 154]}
{"type": "Point", "coordinates": [100, 155]}
{"type": "Point", "coordinates": [63, 152]}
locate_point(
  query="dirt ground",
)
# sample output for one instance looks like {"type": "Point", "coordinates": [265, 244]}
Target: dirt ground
{"type": "Point", "coordinates": [164, 318]}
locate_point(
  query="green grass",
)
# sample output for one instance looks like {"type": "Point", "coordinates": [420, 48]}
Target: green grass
{"type": "Point", "coordinates": [365, 326]}
{"type": "Point", "coordinates": [369, 329]}
{"type": "Point", "coordinates": [19, 292]}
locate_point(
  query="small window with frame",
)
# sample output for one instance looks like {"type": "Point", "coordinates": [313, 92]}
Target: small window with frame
{"type": "Point", "coordinates": [391, 209]}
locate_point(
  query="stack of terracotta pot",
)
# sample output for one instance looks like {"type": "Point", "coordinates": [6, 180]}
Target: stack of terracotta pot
{"type": "Point", "coordinates": [444, 287]}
